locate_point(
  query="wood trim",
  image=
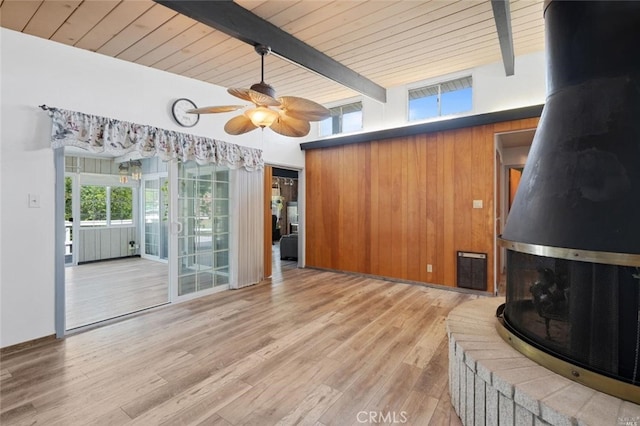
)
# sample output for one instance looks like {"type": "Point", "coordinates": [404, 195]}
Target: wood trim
{"type": "Point", "coordinates": [437, 126]}
{"type": "Point", "coordinates": [240, 23]}
{"type": "Point", "coordinates": [268, 173]}
{"type": "Point", "coordinates": [390, 208]}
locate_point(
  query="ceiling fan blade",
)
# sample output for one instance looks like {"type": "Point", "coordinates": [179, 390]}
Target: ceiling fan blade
{"type": "Point", "coordinates": [254, 96]}
{"type": "Point", "coordinates": [262, 99]}
{"type": "Point", "coordinates": [303, 109]}
{"type": "Point", "coordinates": [290, 126]}
{"type": "Point", "coordinates": [215, 109]}
{"type": "Point", "coordinates": [240, 93]}
{"type": "Point", "coordinates": [239, 125]}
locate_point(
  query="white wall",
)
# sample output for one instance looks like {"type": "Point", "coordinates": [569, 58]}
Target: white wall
{"type": "Point", "coordinates": [34, 72]}
{"type": "Point", "coordinates": [492, 91]}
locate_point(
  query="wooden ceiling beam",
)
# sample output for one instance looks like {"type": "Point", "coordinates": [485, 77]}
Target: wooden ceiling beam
{"type": "Point", "coordinates": [237, 22]}
{"type": "Point", "coordinates": [502, 16]}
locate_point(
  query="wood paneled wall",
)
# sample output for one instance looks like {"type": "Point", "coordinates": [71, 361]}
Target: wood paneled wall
{"type": "Point", "coordinates": [391, 207]}
{"type": "Point", "coordinates": [105, 243]}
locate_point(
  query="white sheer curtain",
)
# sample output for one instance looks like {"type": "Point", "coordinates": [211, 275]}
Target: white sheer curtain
{"type": "Point", "coordinates": [247, 265]}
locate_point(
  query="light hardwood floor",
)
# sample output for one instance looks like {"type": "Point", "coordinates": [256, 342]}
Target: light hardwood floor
{"type": "Point", "coordinates": [104, 290]}
{"type": "Point", "coordinates": [311, 347]}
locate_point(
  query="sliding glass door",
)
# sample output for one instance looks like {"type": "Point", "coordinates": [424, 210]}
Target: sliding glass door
{"type": "Point", "coordinates": [156, 217]}
{"type": "Point", "coordinates": [201, 230]}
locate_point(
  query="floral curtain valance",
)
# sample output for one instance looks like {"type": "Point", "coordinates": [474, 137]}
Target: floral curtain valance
{"type": "Point", "coordinates": [100, 134]}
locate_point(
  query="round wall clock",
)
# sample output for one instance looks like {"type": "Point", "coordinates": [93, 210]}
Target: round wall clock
{"type": "Point", "coordinates": [179, 110]}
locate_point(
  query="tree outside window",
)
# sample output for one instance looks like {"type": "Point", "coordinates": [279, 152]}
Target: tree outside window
{"type": "Point", "coordinates": [93, 205]}
{"type": "Point", "coordinates": [105, 206]}
{"type": "Point", "coordinates": [121, 206]}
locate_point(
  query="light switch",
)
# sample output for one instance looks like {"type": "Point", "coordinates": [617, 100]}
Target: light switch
{"type": "Point", "coordinates": [34, 201]}
{"type": "Point", "coordinates": [477, 204]}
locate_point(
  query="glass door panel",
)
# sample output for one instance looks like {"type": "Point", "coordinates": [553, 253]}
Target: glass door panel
{"type": "Point", "coordinates": [156, 217]}
{"type": "Point", "coordinates": [203, 237]}
{"type": "Point", "coordinates": [164, 217]}
{"type": "Point", "coordinates": [69, 185]}
{"type": "Point", "coordinates": [152, 217]}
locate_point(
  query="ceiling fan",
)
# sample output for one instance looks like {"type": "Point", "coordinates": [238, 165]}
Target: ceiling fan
{"type": "Point", "coordinates": [287, 115]}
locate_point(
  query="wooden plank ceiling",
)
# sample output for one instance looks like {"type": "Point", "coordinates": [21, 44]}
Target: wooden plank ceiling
{"type": "Point", "coordinates": [390, 42]}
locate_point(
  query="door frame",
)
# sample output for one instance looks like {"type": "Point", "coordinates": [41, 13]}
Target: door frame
{"type": "Point", "coordinates": [508, 155]}
{"type": "Point", "coordinates": [142, 209]}
{"type": "Point", "coordinates": [268, 177]}
{"type": "Point", "coordinates": [59, 238]}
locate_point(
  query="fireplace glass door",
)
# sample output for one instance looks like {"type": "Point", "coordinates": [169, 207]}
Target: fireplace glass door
{"type": "Point", "coordinates": [586, 313]}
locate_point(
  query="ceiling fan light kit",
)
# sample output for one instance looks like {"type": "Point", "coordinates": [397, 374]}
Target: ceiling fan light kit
{"type": "Point", "coordinates": [290, 119]}
{"type": "Point", "coordinates": [262, 116]}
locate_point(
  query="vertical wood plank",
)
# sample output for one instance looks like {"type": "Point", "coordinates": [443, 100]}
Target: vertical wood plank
{"type": "Point", "coordinates": [440, 209]}
{"type": "Point", "coordinates": [117, 249]}
{"type": "Point", "coordinates": [483, 223]}
{"type": "Point", "coordinates": [332, 201]}
{"type": "Point", "coordinates": [449, 204]}
{"type": "Point", "coordinates": [396, 210]}
{"type": "Point", "coordinates": [386, 208]}
{"type": "Point", "coordinates": [391, 207]}
{"type": "Point", "coordinates": [89, 245]}
{"type": "Point", "coordinates": [104, 246]}
{"type": "Point", "coordinates": [430, 179]}
{"type": "Point", "coordinates": [404, 213]}
{"type": "Point", "coordinates": [414, 193]}
{"type": "Point", "coordinates": [363, 209]}
{"type": "Point", "coordinates": [425, 219]}
{"type": "Point", "coordinates": [351, 239]}
{"type": "Point", "coordinates": [465, 166]}
{"type": "Point", "coordinates": [105, 166]}
{"type": "Point", "coordinates": [89, 165]}
{"type": "Point", "coordinates": [374, 208]}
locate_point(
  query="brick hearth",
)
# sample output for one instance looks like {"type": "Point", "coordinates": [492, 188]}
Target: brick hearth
{"type": "Point", "coordinates": [493, 384]}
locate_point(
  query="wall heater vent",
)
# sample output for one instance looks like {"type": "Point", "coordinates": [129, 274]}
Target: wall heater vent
{"type": "Point", "coordinates": [472, 270]}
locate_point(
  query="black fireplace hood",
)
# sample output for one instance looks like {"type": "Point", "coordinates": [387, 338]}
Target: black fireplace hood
{"type": "Point", "coordinates": [580, 189]}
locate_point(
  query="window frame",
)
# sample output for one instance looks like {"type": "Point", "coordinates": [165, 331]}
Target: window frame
{"type": "Point", "coordinates": [108, 182]}
{"type": "Point", "coordinates": [337, 121]}
{"type": "Point", "coordinates": [438, 84]}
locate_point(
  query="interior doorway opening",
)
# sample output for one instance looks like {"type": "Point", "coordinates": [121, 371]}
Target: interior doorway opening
{"type": "Point", "coordinates": [285, 219]}
{"type": "Point", "coordinates": [115, 245]}
{"type": "Point", "coordinates": [512, 149]}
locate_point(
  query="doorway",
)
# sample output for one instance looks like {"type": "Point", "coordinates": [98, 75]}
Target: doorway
{"type": "Point", "coordinates": [284, 214]}
{"type": "Point", "coordinates": [155, 207]}
{"type": "Point", "coordinates": [200, 232]}
{"type": "Point", "coordinates": [109, 273]}
{"type": "Point", "coordinates": [512, 149]}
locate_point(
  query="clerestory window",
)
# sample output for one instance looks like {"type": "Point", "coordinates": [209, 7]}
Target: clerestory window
{"type": "Point", "coordinates": [437, 100]}
{"type": "Point", "coordinates": [344, 119]}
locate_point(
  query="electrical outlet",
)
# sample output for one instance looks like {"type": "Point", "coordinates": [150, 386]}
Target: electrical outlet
{"type": "Point", "coordinates": [477, 204]}
{"type": "Point", "coordinates": [429, 267]}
